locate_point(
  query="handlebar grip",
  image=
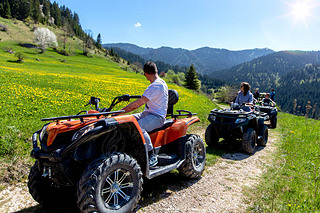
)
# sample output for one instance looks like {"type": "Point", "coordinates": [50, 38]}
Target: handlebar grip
{"type": "Point", "coordinates": [135, 96]}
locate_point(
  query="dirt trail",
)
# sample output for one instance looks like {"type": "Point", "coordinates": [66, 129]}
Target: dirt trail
{"type": "Point", "coordinates": [219, 190]}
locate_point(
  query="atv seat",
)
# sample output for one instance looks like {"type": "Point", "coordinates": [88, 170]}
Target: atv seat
{"type": "Point", "coordinates": [172, 100]}
{"type": "Point", "coordinates": [166, 124]}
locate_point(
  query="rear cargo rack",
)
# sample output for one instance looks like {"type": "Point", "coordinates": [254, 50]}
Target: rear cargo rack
{"type": "Point", "coordinates": [81, 116]}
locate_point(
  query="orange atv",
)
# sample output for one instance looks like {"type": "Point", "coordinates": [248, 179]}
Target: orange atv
{"type": "Point", "coordinates": [98, 158]}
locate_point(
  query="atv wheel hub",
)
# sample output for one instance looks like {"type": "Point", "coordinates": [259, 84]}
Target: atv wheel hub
{"type": "Point", "coordinates": [115, 187]}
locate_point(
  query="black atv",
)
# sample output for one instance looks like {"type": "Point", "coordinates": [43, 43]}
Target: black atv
{"type": "Point", "coordinates": [97, 158]}
{"type": "Point", "coordinates": [272, 112]}
{"type": "Point", "coordinates": [237, 124]}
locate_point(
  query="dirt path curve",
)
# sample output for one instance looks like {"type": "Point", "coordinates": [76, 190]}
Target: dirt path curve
{"type": "Point", "coordinates": [219, 190]}
{"type": "Point", "coordinates": [221, 187]}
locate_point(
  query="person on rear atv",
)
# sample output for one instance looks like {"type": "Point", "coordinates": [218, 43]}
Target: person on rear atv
{"type": "Point", "coordinates": [272, 94]}
{"type": "Point", "coordinates": [267, 101]}
{"type": "Point", "coordinates": [155, 98]}
{"type": "Point", "coordinates": [256, 94]}
{"type": "Point", "coordinates": [244, 96]}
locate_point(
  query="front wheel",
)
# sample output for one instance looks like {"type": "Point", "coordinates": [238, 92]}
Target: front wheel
{"type": "Point", "coordinates": [264, 137]}
{"type": "Point", "coordinates": [195, 161]}
{"type": "Point", "coordinates": [47, 193]}
{"type": "Point", "coordinates": [274, 122]}
{"type": "Point", "coordinates": [111, 184]}
{"type": "Point", "coordinates": [211, 136]}
{"type": "Point", "coordinates": [249, 139]}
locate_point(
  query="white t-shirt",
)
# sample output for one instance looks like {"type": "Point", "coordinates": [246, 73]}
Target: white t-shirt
{"type": "Point", "coordinates": [157, 93]}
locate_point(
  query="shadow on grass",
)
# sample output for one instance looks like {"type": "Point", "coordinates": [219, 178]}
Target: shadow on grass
{"type": "Point", "coordinates": [15, 61]}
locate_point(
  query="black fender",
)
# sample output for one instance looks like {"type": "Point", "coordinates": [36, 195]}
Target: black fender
{"type": "Point", "coordinates": [111, 137]}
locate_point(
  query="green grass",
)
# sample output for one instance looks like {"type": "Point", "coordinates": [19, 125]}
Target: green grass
{"type": "Point", "coordinates": [292, 184]}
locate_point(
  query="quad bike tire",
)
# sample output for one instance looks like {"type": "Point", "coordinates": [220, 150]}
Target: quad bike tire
{"type": "Point", "coordinates": [47, 193]}
{"type": "Point", "coordinates": [195, 161]}
{"type": "Point", "coordinates": [274, 122]}
{"type": "Point", "coordinates": [264, 139]}
{"type": "Point", "coordinates": [211, 136]}
{"type": "Point", "coordinates": [249, 139]}
{"type": "Point", "coordinates": [110, 184]}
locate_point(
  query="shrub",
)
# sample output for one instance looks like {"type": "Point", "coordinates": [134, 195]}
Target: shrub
{"type": "Point", "coordinates": [3, 28]}
{"type": "Point", "coordinates": [8, 49]}
{"type": "Point", "coordinates": [64, 52]}
{"type": "Point", "coordinates": [45, 38]}
{"type": "Point", "coordinates": [20, 56]}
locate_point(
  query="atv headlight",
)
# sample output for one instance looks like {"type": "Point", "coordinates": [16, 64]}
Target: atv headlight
{"type": "Point", "coordinates": [213, 118]}
{"type": "Point", "coordinates": [240, 120]}
{"type": "Point", "coordinates": [43, 131]}
{"type": "Point", "coordinates": [82, 132]}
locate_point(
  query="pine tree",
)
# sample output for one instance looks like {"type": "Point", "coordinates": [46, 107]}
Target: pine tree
{"type": "Point", "coordinates": [6, 9]}
{"type": "Point", "coordinates": [24, 9]}
{"type": "Point", "coordinates": [191, 81]}
{"type": "Point", "coordinates": [15, 8]}
{"type": "Point", "coordinates": [36, 15]}
{"type": "Point", "coordinates": [56, 14]}
{"type": "Point", "coordinates": [46, 9]}
{"type": "Point", "coordinates": [98, 42]}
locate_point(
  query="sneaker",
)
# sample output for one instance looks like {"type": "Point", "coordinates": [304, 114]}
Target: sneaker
{"type": "Point", "coordinates": [153, 160]}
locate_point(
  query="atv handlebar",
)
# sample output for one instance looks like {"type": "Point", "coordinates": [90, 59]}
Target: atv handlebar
{"type": "Point", "coordinates": [95, 101]}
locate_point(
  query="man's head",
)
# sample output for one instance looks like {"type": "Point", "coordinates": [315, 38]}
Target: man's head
{"type": "Point", "coordinates": [267, 96]}
{"type": "Point", "coordinates": [272, 90]}
{"type": "Point", "coordinates": [150, 68]}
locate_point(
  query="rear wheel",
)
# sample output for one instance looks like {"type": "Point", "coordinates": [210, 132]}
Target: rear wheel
{"type": "Point", "coordinates": [195, 161]}
{"type": "Point", "coordinates": [264, 139]}
{"type": "Point", "coordinates": [274, 121]}
{"type": "Point", "coordinates": [249, 139]}
{"type": "Point", "coordinates": [211, 136]}
{"type": "Point", "coordinates": [111, 184]}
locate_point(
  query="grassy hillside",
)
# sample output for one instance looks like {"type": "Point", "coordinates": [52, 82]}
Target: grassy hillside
{"type": "Point", "coordinates": [49, 84]}
{"type": "Point", "coordinates": [292, 184]}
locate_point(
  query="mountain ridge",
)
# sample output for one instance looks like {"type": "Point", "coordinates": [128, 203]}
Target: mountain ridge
{"type": "Point", "coordinates": [205, 59]}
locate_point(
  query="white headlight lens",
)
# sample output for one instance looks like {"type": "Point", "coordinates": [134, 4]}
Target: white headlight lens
{"type": "Point", "coordinates": [82, 132]}
{"type": "Point", "coordinates": [43, 131]}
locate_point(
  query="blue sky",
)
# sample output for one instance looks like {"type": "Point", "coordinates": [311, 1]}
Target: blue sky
{"type": "Point", "coordinates": [191, 24]}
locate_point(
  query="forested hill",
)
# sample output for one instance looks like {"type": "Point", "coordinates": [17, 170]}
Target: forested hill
{"type": "Point", "coordinates": [303, 86]}
{"type": "Point", "coordinates": [42, 11]}
{"type": "Point", "coordinates": [266, 71]}
{"type": "Point", "coordinates": [204, 59]}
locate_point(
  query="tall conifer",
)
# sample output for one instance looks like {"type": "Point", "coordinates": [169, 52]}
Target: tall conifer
{"type": "Point", "coordinates": [191, 81]}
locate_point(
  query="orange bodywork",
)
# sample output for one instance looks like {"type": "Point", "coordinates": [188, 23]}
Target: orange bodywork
{"type": "Point", "coordinates": [130, 118]}
{"type": "Point", "coordinates": [55, 128]}
{"type": "Point", "coordinates": [160, 138]}
{"type": "Point", "coordinates": [172, 133]}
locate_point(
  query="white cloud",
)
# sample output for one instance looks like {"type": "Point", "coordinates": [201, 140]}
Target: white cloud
{"type": "Point", "coordinates": [137, 24]}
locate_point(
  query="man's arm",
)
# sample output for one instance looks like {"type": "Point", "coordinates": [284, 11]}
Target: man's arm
{"type": "Point", "coordinates": [136, 104]}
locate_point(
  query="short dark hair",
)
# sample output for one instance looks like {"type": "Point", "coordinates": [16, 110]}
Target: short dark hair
{"type": "Point", "coordinates": [150, 68]}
